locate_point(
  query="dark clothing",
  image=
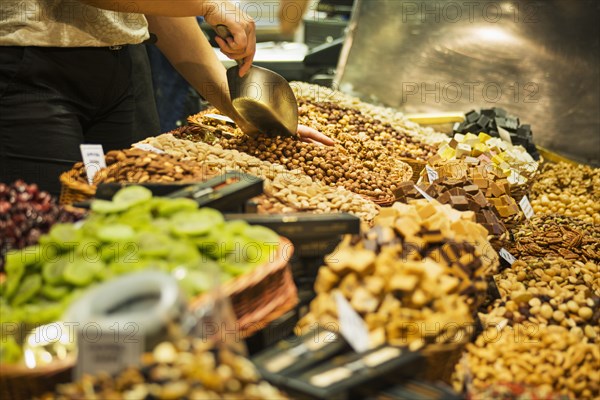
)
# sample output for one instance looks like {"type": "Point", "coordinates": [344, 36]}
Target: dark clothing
{"type": "Point", "coordinates": [146, 116]}
{"type": "Point", "coordinates": [54, 99]}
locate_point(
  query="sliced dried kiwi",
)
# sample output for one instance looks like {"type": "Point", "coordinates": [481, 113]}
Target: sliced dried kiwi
{"type": "Point", "coordinates": [14, 267]}
{"type": "Point", "coordinates": [196, 223]}
{"type": "Point", "coordinates": [261, 234]}
{"type": "Point", "coordinates": [169, 207]}
{"type": "Point", "coordinates": [81, 272]}
{"type": "Point", "coordinates": [55, 292]}
{"type": "Point", "coordinates": [108, 207]}
{"type": "Point", "coordinates": [65, 236]}
{"type": "Point", "coordinates": [153, 244]}
{"type": "Point", "coordinates": [132, 195]}
{"type": "Point", "coordinates": [115, 233]}
{"type": "Point", "coordinates": [52, 272]}
{"type": "Point", "coordinates": [28, 288]}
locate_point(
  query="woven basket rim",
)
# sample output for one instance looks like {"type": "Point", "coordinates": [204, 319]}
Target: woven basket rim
{"type": "Point", "coordinates": [21, 370]}
{"type": "Point", "coordinates": [283, 254]}
{"type": "Point", "coordinates": [70, 182]}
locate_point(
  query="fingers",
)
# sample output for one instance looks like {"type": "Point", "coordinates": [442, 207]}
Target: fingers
{"type": "Point", "coordinates": [311, 135]}
{"type": "Point", "coordinates": [241, 45]}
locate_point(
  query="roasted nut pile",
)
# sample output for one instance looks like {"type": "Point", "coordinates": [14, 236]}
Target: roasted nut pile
{"type": "Point", "coordinates": [316, 93]}
{"type": "Point", "coordinates": [552, 358]}
{"type": "Point", "coordinates": [567, 189]}
{"type": "Point", "coordinates": [193, 372]}
{"type": "Point", "coordinates": [139, 166]}
{"type": "Point", "coordinates": [550, 292]}
{"type": "Point", "coordinates": [557, 236]}
{"type": "Point", "coordinates": [461, 194]}
{"type": "Point", "coordinates": [265, 204]}
{"type": "Point", "coordinates": [375, 177]}
{"type": "Point", "coordinates": [362, 136]}
{"type": "Point", "coordinates": [420, 269]}
{"type": "Point", "coordinates": [292, 188]}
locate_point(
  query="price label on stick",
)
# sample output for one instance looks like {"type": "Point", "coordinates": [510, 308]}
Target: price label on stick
{"type": "Point", "coordinates": [526, 207]}
{"type": "Point", "coordinates": [352, 326]}
{"type": "Point", "coordinates": [110, 349]}
{"type": "Point", "coordinates": [424, 194]}
{"type": "Point", "coordinates": [431, 174]}
{"type": "Point", "coordinates": [93, 159]}
{"type": "Point", "coordinates": [507, 256]}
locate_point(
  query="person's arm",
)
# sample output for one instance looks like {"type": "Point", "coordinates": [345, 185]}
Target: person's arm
{"type": "Point", "coordinates": [181, 40]}
{"type": "Point", "coordinates": [221, 12]}
{"type": "Point", "coordinates": [290, 15]}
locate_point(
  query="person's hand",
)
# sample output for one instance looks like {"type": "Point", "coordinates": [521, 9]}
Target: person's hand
{"type": "Point", "coordinates": [242, 43]}
{"type": "Point", "coordinates": [310, 135]}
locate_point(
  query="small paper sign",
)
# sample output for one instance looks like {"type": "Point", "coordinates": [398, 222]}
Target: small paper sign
{"type": "Point", "coordinates": [108, 350]}
{"type": "Point", "coordinates": [352, 326]}
{"type": "Point", "coordinates": [507, 256]}
{"type": "Point", "coordinates": [93, 159]}
{"type": "Point", "coordinates": [526, 207]}
{"type": "Point", "coordinates": [425, 195]}
{"type": "Point", "coordinates": [431, 174]}
{"type": "Point", "coordinates": [148, 147]}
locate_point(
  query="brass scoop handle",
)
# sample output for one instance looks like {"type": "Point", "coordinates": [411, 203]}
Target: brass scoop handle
{"type": "Point", "coordinates": [224, 33]}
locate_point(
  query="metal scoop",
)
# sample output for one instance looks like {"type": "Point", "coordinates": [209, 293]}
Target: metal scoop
{"type": "Point", "coordinates": [262, 97]}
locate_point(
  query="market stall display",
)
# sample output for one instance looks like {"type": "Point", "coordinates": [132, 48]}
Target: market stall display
{"type": "Point", "coordinates": [387, 115]}
{"type": "Point", "coordinates": [130, 166]}
{"type": "Point", "coordinates": [423, 274]}
{"type": "Point", "coordinates": [133, 232]}
{"type": "Point", "coordinates": [568, 189]}
{"type": "Point", "coordinates": [26, 213]}
{"type": "Point", "coordinates": [292, 188]}
{"type": "Point", "coordinates": [192, 369]}
{"type": "Point", "coordinates": [552, 358]}
{"type": "Point", "coordinates": [358, 164]}
{"type": "Point", "coordinates": [557, 236]}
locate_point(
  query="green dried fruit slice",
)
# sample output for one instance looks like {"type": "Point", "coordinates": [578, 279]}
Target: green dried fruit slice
{"type": "Point", "coordinates": [82, 272]}
{"type": "Point", "coordinates": [170, 207]}
{"type": "Point", "coordinates": [196, 223]}
{"type": "Point", "coordinates": [52, 272]}
{"type": "Point", "coordinates": [132, 195]}
{"type": "Point", "coordinates": [115, 233]}
{"type": "Point", "coordinates": [65, 236]}
{"type": "Point", "coordinates": [28, 288]}
{"type": "Point", "coordinates": [108, 207]}
{"type": "Point", "coordinates": [154, 244]}
{"type": "Point", "coordinates": [55, 292]}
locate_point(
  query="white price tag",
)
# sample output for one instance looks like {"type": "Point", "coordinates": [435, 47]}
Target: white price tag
{"type": "Point", "coordinates": [93, 159]}
{"type": "Point", "coordinates": [352, 326]}
{"type": "Point", "coordinates": [148, 147]}
{"type": "Point", "coordinates": [431, 174]}
{"type": "Point", "coordinates": [526, 207]}
{"type": "Point", "coordinates": [428, 197]}
{"type": "Point", "coordinates": [507, 256]}
{"type": "Point", "coordinates": [110, 349]}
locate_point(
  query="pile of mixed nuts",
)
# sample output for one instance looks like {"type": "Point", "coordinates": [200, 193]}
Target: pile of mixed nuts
{"type": "Point", "coordinates": [290, 188]}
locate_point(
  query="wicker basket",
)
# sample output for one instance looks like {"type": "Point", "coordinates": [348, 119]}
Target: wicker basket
{"type": "Point", "coordinates": [262, 295]}
{"type": "Point", "coordinates": [441, 360]}
{"type": "Point", "coordinates": [416, 165]}
{"type": "Point", "coordinates": [18, 382]}
{"type": "Point", "coordinates": [73, 190]}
